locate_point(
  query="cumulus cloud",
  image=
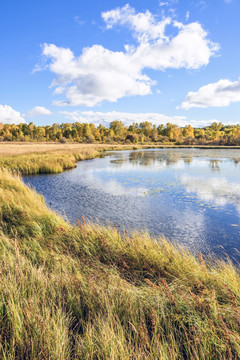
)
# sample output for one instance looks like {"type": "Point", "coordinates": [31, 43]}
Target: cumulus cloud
{"type": "Point", "coordinates": [105, 118]}
{"type": "Point", "coordinates": [38, 110]}
{"type": "Point", "coordinates": [144, 25]}
{"type": "Point", "coordinates": [219, 94]}
{"type": "Point", "coordinates": [100, 74]}
{"type": "Point", "coordinates": [10, 116]}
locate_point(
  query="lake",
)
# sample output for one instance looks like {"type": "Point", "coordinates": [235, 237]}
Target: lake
{"type": "Point", "coordinates": [191, 196]}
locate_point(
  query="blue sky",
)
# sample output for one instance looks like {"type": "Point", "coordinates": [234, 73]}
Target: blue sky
{"type": "Point", "coordinates": [89, 61]}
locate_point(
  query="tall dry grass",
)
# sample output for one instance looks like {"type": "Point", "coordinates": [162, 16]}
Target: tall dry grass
{"type": "Point", "coordinates": [37, 158]}
{"type": "Point", "coordinates": [84, 292]}
{"type": "Point", "coordinates": [47, 162]}
{"type": "Point", "coordinates": [30, 160]}
{"type": "Point", "coordinates": [55, 158]}
{"type": "Point", "coordinates": [20, 148]}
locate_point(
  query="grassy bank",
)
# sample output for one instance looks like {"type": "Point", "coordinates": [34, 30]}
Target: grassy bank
{"type": "Point", "coordinates": [52, 160]}
{"type": "Point", "coordinates": [32, 159]}
{"type": "Point", "coordinates": [83, 292]}
{"type": "Point", "coordinates": [46, 163]}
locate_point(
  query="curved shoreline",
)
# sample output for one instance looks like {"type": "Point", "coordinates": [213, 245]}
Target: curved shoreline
{"type": "Point", "coordinates": [62, 158]}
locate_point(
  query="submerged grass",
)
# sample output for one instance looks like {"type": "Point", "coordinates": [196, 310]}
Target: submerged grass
{"type": "Point", "coordinates": [85, 292]}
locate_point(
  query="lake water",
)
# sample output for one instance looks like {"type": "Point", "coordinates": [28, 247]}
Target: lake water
{"type": "Point", "coordinates": [191, 196]}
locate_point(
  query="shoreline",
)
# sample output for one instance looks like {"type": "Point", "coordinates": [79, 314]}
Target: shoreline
{"type": "Point", "coordinates": [45, 160]}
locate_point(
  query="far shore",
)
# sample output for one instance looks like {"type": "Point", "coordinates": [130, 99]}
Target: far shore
{"type": "Point", "coordinates": [20, 148]}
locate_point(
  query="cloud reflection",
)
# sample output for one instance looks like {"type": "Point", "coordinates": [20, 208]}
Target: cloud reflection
{"type": "Point", "coordinates": [220, 191]}
{"type": "Point", "coordinates": [190, 230]}
{"type": "Point", "coordinates": [112, 187]}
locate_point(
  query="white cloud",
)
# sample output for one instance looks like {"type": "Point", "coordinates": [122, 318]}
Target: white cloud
{"type": "Point", "coordinates": [144, 25]}
{"type": "Point", "coordinates": [202, 4]}
{"type": "Point", "coordinates": [219, 94]}
{"type": "Point", "coordinates": [100, 74]}
{"type": "Point", "coordinates": [78, 20]}
{"type": "Point", "coordinates": [105, 118]}
{"type": "Point", "coordinates": [168, 3]}
{"type": "Point", "coordinates": [164, 3]}
{"type": "Point", "coordinates": [10, 116]}
{"type": "Point", "coordinates": [38, 110]}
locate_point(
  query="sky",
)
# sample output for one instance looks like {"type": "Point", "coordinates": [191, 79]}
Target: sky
{"type": "Point", "coordinates": [161, 61]}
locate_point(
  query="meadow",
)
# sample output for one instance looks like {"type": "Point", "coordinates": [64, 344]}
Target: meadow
{"type": "Point", "coordinates": [88, 292]}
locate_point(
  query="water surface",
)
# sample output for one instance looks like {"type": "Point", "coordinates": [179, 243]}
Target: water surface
{"type": "Point", "coordinates": [191, 196]}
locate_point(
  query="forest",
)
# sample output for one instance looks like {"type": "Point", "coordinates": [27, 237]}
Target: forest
{"type": "Point", "coordinates": [144, 132]}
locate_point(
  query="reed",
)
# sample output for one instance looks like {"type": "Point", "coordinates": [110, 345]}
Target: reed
{"type": "Point", "coordinates": [54, 159]}
{"type": "Point", "coordinates": [48, 162]}
{"type": "Point", "coordinates": [86, 292]}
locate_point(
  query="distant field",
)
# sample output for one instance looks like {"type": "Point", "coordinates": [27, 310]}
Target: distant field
{"type": "Point", "coordinates": [20, 148]}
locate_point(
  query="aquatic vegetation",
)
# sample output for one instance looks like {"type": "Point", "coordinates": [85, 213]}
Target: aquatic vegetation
{"type": "Point", "coordinates": [86, 292]}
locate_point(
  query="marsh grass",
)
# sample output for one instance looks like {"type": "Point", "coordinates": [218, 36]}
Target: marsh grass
{"type": "Point", "coordinates": [52, 161]}
{"type": "Point", "coordinates": [86, 292]}
{"type": "Point", "coordinates": [47, 162]}
{"type": "Point", "coordinates": [32, 159]}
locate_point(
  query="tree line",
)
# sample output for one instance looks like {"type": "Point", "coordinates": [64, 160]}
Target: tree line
{"type": "Point", "coordinates": [144, 132]}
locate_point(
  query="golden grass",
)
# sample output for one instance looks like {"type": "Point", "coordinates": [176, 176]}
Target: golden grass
{"type": "Point", "coordinates": [50, 158]}
{"type": "Point", "coordinates": [19, 148]}
{"type": "Point", "coordinates": [48, 162]}
{"type": "Point", "coordinates": [84, 292]}
{"type": "Point", "coordinates": [39, 158]}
